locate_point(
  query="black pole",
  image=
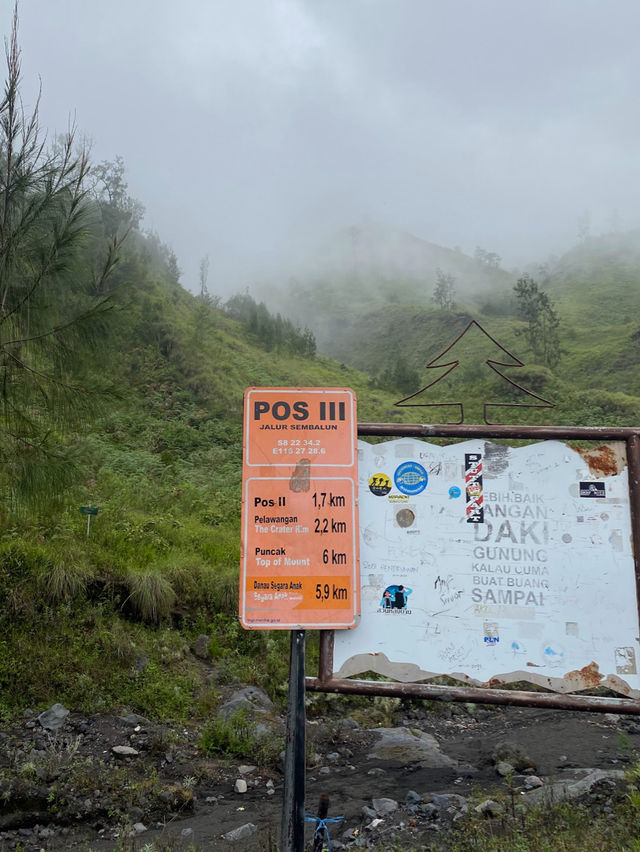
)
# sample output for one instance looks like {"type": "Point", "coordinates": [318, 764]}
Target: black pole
{"type": "Point", "coordinates": [294, 759]}
{"type": "Point", "coordinates": [320, 833]}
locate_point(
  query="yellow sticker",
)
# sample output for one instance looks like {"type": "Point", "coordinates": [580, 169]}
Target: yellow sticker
{"type": "Point", "coordinates": [380, 484]}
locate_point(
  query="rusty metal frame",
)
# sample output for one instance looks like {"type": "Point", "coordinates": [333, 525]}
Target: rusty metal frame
{"type": "Point", "coordinates": [516, 362]}
{"type": "Point", "coordinates": [325, 682]}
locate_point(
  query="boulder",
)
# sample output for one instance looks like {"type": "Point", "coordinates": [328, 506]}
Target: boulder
{"type": "Point", "coordinates": [572, 787]}
{"type": "Point", "coordinates": [53, 718]}
{"type": "Point", "coordinates": [241, 833]}
{"type": "Point", "coordinates": [408, 745]}
{"type": "Point", "coordinates": [250, 698]}
{"type": "Point", "coordinates": [200, 647]}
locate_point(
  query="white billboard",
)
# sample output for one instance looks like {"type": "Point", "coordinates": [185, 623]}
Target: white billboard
{"type": "Point", "coordinates": [492, 564]}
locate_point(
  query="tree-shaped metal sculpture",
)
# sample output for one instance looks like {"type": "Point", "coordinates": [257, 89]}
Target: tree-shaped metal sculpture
{"type": "Point", "coordinates": [445, 361]}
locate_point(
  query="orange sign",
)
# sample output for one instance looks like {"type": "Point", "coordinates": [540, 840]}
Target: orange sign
{"type": "Point", "coordinates": [299, 563]}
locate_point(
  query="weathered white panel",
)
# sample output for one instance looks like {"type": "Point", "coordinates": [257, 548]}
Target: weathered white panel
{"type": "Point", "coordinates": [491, 563]}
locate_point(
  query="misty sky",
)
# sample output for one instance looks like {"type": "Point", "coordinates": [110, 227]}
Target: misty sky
{"type": "Point", "coordinates": [250, 126]}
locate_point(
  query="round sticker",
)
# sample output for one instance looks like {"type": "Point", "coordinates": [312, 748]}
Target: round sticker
{"type": "Point", "coordinates": [454, 491]}
{"type": "Point", "coordinates": [405, 517]}
{"type": "Point", "coordinates": [411, 478]}
{"type": "Point", "coordinates": [380, 484]}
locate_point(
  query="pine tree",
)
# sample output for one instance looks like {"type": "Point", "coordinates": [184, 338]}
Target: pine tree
{"type": "Point", "coordinates": [472, 370]}
{"type": "Point", "coordinates": [444, 291]}
{"type": "Point", "coordinates": [52, 302]}
{"type": "Point", "coordinates": [536, 309]}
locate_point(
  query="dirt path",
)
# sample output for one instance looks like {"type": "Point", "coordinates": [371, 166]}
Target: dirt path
{"type": "Point", "coordinates": [77, 794]}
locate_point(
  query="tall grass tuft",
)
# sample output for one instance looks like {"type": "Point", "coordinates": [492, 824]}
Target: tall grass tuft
{"type": "Point", "coordinates": [151, 594]}
{"type": "Point", "coordinates": [63, 580]}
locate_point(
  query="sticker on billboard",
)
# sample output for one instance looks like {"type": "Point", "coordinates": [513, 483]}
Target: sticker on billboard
{"type": "Point", "coordinates": [411, 478]}
{"type": "Point", "coordinates": [626, 661]}
{"type": "Point", "coordinates": [394, 598]}
{"type": "Point", "coordinates": [380, 484]}
{"type": "Point", "coordinates": [491, 634]}
{"type": "Point", "coordinates": [473, 488]}
{"type": "Point", "coordinates": [593, 489]}
{"type": "Point", "coordinates": [405, 517]}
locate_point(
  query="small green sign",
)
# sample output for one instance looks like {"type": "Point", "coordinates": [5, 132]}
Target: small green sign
{"type": "Point", "coordinates": [89, 510]}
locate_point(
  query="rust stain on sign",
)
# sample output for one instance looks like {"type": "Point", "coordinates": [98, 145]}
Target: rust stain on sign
{"type": "Point", "coordinates": [300, 478]}
{"type": "Point", "coordinates": [607, 460]}
{"type": "Point", "coordinates": [584, 678]}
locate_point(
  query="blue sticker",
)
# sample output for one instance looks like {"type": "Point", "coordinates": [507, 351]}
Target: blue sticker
{"type": "Point", "coordinates": [410, 478]}
{"type": "Point", "coordinates": [454, 491]}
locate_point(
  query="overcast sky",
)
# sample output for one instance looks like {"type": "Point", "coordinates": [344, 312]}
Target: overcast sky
{"type": "Point", "coordinates": [247, 126]}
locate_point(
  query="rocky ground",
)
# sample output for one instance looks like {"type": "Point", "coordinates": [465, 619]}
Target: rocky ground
{"type": "Point", "coordinates": [122, 782]}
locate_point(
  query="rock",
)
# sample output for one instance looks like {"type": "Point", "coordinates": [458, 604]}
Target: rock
{"type": "Point", "coordinates": [142, 661]}
{"type": "Point", "coordinates": [532, 782]}
{"type": "Point", "coordinates": [240, 833]}
{"type": "Point", "coordinates": [125, 751]}
{"type": "Point", "coordinates": [572, 787]}
{"type": "Point", "coordinates": [383, 806]}
{"type": "Point", "coordinates": [240, 786]}
{"type": "Point", "coordinates": [449, 803]}
{"type": "Point", "coordinates": [139, 828]}
{"type": "Point", "coordinates": [505, 769]}
{"type": "Point", "coordinates": [349, 724]}
{"type": "Point", "coordinates": [368, 812]}
{"type": "Point", "coordinates": [413, 798]}
{"type": "Point", "coordinates": [250, 698]}
{"type": "Point", "coordinates": [246, 769]}
{"type": "Point", "coordinates": [186, 832]}
{"type": "Point", "coordinates": [409, 746]}
{"type": "Point", "coordinates": [429, 810]}
{"type": "Point", "coordinates": [53, 718]}
{"type": "Point", "coordinates": [132, 720]}
{"type": "Point", "coordinates": [490, 809]}
{"type": "Point", "coordinates": [201, 646]}
{"type": "Point", "coordinates": [511, 753]}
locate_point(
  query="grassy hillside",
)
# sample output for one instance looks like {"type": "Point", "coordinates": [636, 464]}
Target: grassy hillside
{"type": "Point", "coordinates": [392, 332]}
{"type": "Point", "coordinates": [363, 270]}
{"type": "Point", "coordinates": [106, 620]}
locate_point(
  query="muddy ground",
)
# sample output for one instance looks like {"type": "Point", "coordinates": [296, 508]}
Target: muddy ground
{"type": "Point", "coordinates": [69, 790]}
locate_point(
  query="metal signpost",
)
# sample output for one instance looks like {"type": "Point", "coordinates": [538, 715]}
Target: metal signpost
{"type": "Point", "coordinates": [487, 562]}
{"type": "Point", "coordinates": [89, 511]}
{"type": "Point", "coordinates": [299, 560]}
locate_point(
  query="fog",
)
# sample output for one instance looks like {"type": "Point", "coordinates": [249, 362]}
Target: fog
{"type": "Point", "coordinates": [254, 129]}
